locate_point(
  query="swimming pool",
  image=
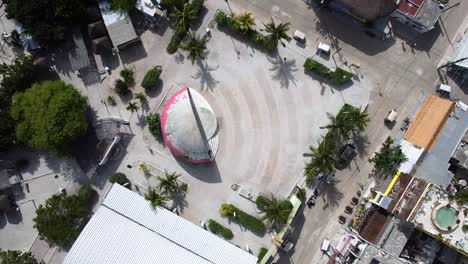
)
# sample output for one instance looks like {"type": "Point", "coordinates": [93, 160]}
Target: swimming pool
{"type": "Point", "coordinates": [446, 216]}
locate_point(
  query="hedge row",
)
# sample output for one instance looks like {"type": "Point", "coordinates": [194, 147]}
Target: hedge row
{"type": "Point", "coordinates": [339, 76]}
{"type": "Point", "coordinates": [179, 34]}
{"type": "Point", "coordinates": [261, 254]}
{"type": "Point", "coordinates": [244, 219]}
{"type": "Point", "coordinates": [217, 228]}
{"type": "Point", "coordinates": [252, 35]}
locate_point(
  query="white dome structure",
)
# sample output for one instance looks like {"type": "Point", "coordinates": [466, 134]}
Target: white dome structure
{"type": "Point", "coordinates": [189, 126]}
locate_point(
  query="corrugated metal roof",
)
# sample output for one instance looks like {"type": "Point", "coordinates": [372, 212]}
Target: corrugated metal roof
{"type": "Point", "coordinates": [126, 229]}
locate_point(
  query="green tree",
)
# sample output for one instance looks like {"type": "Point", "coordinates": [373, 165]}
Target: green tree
{"type": "Point", "coordinates": [123, 5]}
{"type": "Point", "coordinates": [128, 75]}
{"type": "Point", "coordinates": [359, 118]}
{"type": "Point", "coordinates": [244, 22]}
{"type": "Point", "coordinates": [155, 199]}
{"type": "Point", "coordinates": [323, 159]}
{"type": "Point", "coordinates": [18, 76]}
{"type": "Point", "coordinates": [50, 116]}
{"type": "Point", "coordinates": [276, 212]}
{"type": "Point", "coordinates": [184, 16]}
{"type": "Point", "coordinates": [339, 126]}
{"type": "Point", "coordinates": [195, 46]}
{"type": "Point", "coordinates": [170, 5]}
{"type": "Point", "coordinates": [16, 257]}
{"type": "Point", "coordinates": [58, 221]}
{"type": "Point", "coordinates": [390, 156]}
{"type": "Point", "coordinates": [120, 178]}
{"type": "Point", "coordinates": [169, 184]}
{"type": "Point", "coordinates": [132, 107]}
{"type": "Point", "coordinates": [121, 87]}
{"type": "Point", "coordinates": [15, 77]}
{"type": "Point", "coordinates": [141, 97]}
{"type": "Point", "coordinates": [46, 20]}
{"type": "Point", "coordinates": [154, 125]}
{"type": "Point", "coordinates": [278, 33]}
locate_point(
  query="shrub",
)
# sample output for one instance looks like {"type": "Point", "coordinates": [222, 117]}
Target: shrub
{"type": "Point", "coordinates": [197, 6]}
{"type": "Point", "coordinates": [121, 87]}
{"type": "Point", "coordinates": [339, 76]}
{"type": "Point", "coordinates": [301, 194]}
{"type": "Point", "coordinates": [176, 39]}
{"type": "Point", "coordinates": [151, 79]}
{"type": "Point", "coordinates": [111, 100]}
{"type": "Point", "coordinates": [217, 228]}
{"type": "Point", "coordinates": [128, 75]}
{"type": "Point", "coordinates": [220, 19]}
{"type": "Point", "coordinates": [248, 221]}
{"type": "Point", "coordinates": [252, 35]}
{"type": "Point", "coordinates": [170, 5]}
{"type": "Point", "coordinates": [86, 192]}
{"type": "Point", "coordinates": [121, 179]}
{"type": "Point", "coordinates": [465, 228]}
{"type": "Point", "coordinates": [226, 210]}
{"type": "Point", "coordinates": [262, 253]}
{"type": "Point", "coordinates": [154, 125]}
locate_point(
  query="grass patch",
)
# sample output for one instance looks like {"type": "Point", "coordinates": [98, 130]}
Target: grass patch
{"type": "Point", "coordinates": [246, 220]}
{"type": "Point", "coordinates": [217, 228]}
{"type": "Point", "coordinates": [261, 254]}
{"type": "Point", "coordinates": [339, 76]}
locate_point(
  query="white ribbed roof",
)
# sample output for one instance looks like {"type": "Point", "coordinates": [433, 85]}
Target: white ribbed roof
{"type": "Point", "coordinates": [126, 229]}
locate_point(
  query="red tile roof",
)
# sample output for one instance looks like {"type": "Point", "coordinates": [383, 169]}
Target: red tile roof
{"type": "Point", "coordinates": [410, 7]}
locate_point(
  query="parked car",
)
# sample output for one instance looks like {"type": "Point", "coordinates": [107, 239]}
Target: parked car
{"type": "Point", "coordinates": [346, 153]}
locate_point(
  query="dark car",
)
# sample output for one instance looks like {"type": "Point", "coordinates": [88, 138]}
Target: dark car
{"type": "Point", "coordinates": [346, 153]}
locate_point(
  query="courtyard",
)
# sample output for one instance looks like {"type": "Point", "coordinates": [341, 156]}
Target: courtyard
{"type": "Point", "coordinates": [268, 109]}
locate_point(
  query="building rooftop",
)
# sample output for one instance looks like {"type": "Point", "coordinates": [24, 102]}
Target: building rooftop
{"type": "Point", "coordinates": [426, 217]}
{"type": "Point", "coordinates": [429, 122]}
{"type": "Point", "coordinates": [433, 167]}
{"type": "Point", "coordinates": [426, 12]}
{"type": "Point", "coordinates": [126, 229]}
{"type": "Point", "coordinates": [461, 153]}
{"type": "Point", "coordinates": [118, 24]}
{"type": "Point", "coordinates": [395, 236]}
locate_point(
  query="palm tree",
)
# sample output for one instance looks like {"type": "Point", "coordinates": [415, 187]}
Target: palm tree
{"type": "Point", "coordinates": [339, 126]}
{"type": "Point", "coordinates": [277, 32]}
{"type": "Point", "coordinates": [184, 17]}
{"type": "Point", "coordinates": [141, 97]}
{"type": "Point", "coordinates": [276, 212]}
{"type": "Point", "coordinates": [195, 46]}
{"type": "Point", "coordinates": [132, 107]}
{"type": "Point", "coordinates": [155, 199]}
{"type": "Point", "coordinates": [169, 184]}
{"type": "Point", "coordinates": [143, 167]}
{"type": "Point", "coordinates": [360, 118]}
{"type": "Point", "coordinates": [244, 22]}
{"type": "Point", "coordinates": [323, 159]}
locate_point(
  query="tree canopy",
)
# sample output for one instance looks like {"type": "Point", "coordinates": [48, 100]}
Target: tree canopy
{"type": "Point", "coordinates": [59, 220]}
{"type": "Point", "coordinates": [16, 257]}
{"type": "Point", "coordinates": [389, 157]}
{"type": "Point", "coordinates": [15, 77]}
{"type": "Point", "coordinates": [46, 20]}
{"type": "Point", "coordinates": [275, 211]}
{"type": "Point", "coordinates": [123, 5]}
{"type": "Point", "coordinates": [50, 116]}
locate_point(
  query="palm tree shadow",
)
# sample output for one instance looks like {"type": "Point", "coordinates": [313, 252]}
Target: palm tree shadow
{"type": "Point", "coordinates": [204, 75]}
{"type": "Point", "coordinates": [179, 201]}
{"type": "Point", "coordinates": [141, 121]}
{"type": "Point", "coordinates": [283, 70]}
{"type": "Point", "coordinates": [331, 195]}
